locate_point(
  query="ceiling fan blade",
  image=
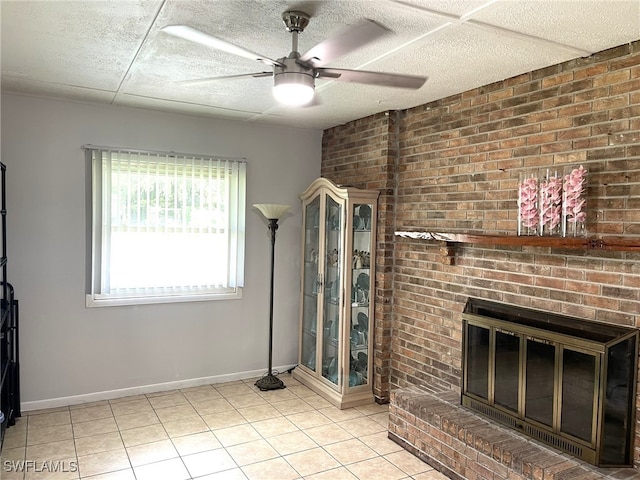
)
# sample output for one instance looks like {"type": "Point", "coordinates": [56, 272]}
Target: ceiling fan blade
{"type": "Point", "coordinates": [372, 78]}
{"type": "Point", "coordinates": [200, 81]}
{"type": "Point", "coordinates": [350, 39]}
{"type": "Point", "coordinates": [191, 34]}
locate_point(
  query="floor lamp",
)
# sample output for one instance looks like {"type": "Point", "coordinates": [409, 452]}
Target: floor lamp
{"type": "Point", "coordinates": [272, 213]}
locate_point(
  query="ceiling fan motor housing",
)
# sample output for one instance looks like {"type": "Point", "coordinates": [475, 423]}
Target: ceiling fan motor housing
{"type": "Point", "coordinates": [292, 72]}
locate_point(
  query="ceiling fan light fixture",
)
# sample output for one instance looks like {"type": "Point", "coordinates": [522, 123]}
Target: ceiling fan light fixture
{"type": "Point", "coordinates": [293, 88]}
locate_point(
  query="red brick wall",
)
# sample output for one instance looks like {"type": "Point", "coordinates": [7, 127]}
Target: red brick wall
{"type": "Point", "coordinates": [455, 169]}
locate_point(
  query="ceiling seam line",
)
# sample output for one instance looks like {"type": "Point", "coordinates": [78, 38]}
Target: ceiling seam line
{"type": "Point", "coordinates": [428, 11]}
{"type": "Point", "coordinates": [133, 60]}
{"type": "Point", "coordinates": [466, 19]}
{"type": "Point", "coordinates": [192, 103]}
{"type": "Point", "coordinates": [515, 33]}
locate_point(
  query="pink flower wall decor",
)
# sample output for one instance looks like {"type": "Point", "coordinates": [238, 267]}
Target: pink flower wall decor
{"type": "Point", "coordinates": [550, 205]}
{"type": "Point", "coordinates": [553, 202]}
{"type": "Point", "coordinates": [528, 204]}
{"type": "Point", "coordinates": [574, 201]}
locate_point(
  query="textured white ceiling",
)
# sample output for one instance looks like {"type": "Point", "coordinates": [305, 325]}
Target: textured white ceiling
{"type": "Point", "coordinates": [113, 51]}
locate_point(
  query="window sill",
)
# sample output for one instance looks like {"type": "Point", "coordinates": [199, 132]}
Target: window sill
{"type": "Point", "coordinates": [92, 302]}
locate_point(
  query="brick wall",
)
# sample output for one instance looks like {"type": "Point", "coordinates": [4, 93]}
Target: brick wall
{"type": "Point", "coordinates": [454, 168]}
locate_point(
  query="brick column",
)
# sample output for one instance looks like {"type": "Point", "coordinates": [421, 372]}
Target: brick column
{"type": "Point", "coordinates": [363, 154]}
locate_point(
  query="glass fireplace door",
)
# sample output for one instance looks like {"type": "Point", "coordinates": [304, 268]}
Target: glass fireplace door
{"type": "Point", "coordinates": [540, 380]}
{"type": "Point", "coordinates": [477, 361]}
{"type": "Point", "coordinates": [507, 376]}
{"type": "Point", "coordinates": [579, 396]}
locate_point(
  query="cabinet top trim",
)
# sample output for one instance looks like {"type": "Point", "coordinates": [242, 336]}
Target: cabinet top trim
{"type": "Point", "coordinates": [357, 194]}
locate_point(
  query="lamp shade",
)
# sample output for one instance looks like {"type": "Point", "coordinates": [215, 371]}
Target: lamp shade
{"type": "Point", "coordinates": [271, 210]}
{"type": "Point", "coordinates": [293, 88]}
{"type": "Point", "coordinates": [293, 94]}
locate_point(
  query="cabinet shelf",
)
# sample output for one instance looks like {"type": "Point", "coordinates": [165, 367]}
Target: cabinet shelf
{"type": "Point", "coordinates": [310, 332]}
{"type": "Point", "coordinates": [448, 241]}
{"type": "Point", "coordinates": [359, 305]}
{"type": "Point", "coordinates": [358, 348]}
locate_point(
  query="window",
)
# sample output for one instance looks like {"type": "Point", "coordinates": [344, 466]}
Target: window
{"type": "Point", "coordinates": [165, 227]}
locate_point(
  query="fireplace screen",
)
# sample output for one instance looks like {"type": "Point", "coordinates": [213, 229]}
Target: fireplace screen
{"type": "Point", "coordinates": [567, 382]}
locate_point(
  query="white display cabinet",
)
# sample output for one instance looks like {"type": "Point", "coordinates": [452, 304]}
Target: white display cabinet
{"type": "Point", "coordinates": [336, 308]}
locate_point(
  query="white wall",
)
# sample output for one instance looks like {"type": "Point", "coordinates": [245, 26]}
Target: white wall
{"type": "Point", "coordinates": [68, 350]}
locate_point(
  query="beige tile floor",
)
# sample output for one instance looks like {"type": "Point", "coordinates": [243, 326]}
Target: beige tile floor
{"type": "Point", "coordinates": [224, 431]}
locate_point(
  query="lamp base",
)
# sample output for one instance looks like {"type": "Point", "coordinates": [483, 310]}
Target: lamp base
{"type": "Point", "coordinates": [269, 382]}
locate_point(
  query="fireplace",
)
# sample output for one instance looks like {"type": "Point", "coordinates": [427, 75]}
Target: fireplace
{"type": "Point", "coordinates": [567, 382]}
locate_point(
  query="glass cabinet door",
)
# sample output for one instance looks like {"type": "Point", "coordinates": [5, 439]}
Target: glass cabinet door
{"type": "Point", "coordinates": [332, 291]}
{"type": "Point", "coordinates": [360, 296]}
{"type": "Point", "coordinates": [311, 284]}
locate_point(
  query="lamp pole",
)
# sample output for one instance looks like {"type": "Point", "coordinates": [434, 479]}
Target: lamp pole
{"type": "Point", "coordinates": [272, 213]}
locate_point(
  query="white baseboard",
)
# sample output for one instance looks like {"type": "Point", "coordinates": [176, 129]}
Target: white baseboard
{"type": "Point", "coordinates": [158, 387]}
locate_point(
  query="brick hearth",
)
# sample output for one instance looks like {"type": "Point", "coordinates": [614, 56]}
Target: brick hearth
{"type": "Point", "coordinates": [463, 445]}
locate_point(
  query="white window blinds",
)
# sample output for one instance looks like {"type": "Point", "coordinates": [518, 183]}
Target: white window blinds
{"type": "Point", "coordinates": [165, 226]}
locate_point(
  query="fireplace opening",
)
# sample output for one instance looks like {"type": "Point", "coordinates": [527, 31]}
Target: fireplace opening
{"type": "Point", "coordinates": [567, 382]}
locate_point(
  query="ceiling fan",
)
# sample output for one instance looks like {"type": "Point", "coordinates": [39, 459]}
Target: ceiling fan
{"type": "Point", "coordinates": [295, 74]}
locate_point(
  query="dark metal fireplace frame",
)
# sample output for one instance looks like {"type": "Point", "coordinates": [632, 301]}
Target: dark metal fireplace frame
{"type": "Point", "coordinates": [567, 382]}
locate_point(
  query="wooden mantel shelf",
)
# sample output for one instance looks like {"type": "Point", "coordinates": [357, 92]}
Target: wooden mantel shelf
{"type": "Point", "coordinates": [449, 240]}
